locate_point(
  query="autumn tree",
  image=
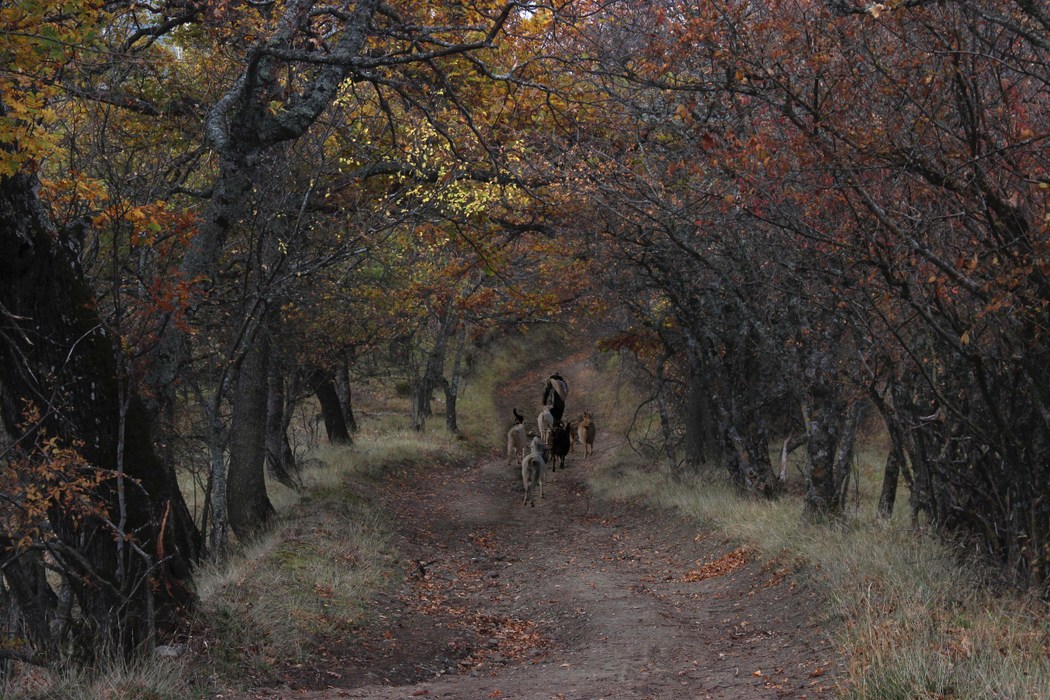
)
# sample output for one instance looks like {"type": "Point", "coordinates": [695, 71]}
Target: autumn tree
{"type": "Point", "coordinates": [884, 249]}
{"type": "Point", "coordinates": [91, 494]}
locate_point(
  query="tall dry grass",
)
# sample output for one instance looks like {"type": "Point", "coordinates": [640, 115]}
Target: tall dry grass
{"type": "Point", "coordinates": [307, 581]}
{"type": "Point", "coordinates": [912, 616]}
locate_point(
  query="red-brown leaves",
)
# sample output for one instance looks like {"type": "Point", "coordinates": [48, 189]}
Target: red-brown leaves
{"type": "Point", "coordinates": [726, 564]}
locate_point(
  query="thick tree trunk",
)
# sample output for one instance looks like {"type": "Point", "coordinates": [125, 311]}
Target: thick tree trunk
{"type": "Point", "coordinates": [824, 410]}
{"type": "Point", "coordinates": [26, 578]}
{"type": "Point", "coordinates": [701, 431]}
{"type": "Point", "coordinates": [248, 506]}
{"type": "Point", "coordinates": [55, 353]}
{"type": "Point", "coordinates": [331, 411]}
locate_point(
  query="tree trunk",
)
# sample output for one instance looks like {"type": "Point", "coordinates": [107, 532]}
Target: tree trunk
{"type": "Point", "coordinates": [824, 410]}
{"type": "Point", "coordinates": [279, 454]}
{"type": "Point", "coordinates": [215, 499]}
{"type": "Point", "coordinates": [56, 353]}
{"type": "Point", "coordinates": [890, 478]}
{"type": "Point", "coordinates": [847, 440]}
{"type": "Point", "coordinates": [26, 579]}
{"type": "Point", "coordinates": [434, 373]}
{"type": "Point", "coordinates": [248, 505]}
{"type": "Point", "coordinates": [342, 387]}
{"type": "Point", "coordinates": [452, 386]}
{"type": "Point", "coordinates": [701, 431]}
{"type": "Point", "coordinates": [896, 462]}
{"type": "Point", "coordinates": [331, 411]}
{"type": "Point", "coordinates": [666, 429]}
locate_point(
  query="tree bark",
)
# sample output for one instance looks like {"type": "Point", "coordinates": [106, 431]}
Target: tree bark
{"type": "Point", "coordinates": [279, 454]}
{"type": "Point", "coordinates": [342, 387]}
{"type": "Point", "coordinates": [452, 386]}
{"type": "Point", "coordinates": [331, 411]}
{"type": "Point", "coordinates": [248, 505]}
{"type": "Point", "coordinates": [890, 478]}
{"type": "Point", "coordinates": [701, 432]}
{"type": "Point", "coordinates": [55, 352]}
{"type": "Point", "coordinates": [824, 410]}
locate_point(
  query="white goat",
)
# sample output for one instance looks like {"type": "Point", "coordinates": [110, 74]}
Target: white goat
{"type": "Point", "coordinates": [545, 421]}
{"type": "Point", "coordinates": [517, 441]}
{"type": "Point", "coordinates": [534, 470]}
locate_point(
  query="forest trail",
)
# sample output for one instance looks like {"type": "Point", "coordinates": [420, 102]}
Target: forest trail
{"type": "Point", "coordinates": [574, 598]}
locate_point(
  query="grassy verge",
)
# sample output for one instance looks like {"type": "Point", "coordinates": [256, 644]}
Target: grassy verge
{"type": "Point", "coordinates": [305, 585]}
{"type": "Point", "coordinates": [911, 621]}
{"type": "Point", "coordinates": [909, 618]}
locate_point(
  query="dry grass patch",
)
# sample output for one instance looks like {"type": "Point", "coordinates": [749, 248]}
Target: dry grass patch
{"type": "Point", "coordinates": [150, 679]}
{"type": "Point", "coordinates": [306, 583]}
{"type": "Point", "coordinates": [911, 620]}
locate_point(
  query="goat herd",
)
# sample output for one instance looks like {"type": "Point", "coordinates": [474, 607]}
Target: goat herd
{"type": "Point", "coordinates": [555, 439]}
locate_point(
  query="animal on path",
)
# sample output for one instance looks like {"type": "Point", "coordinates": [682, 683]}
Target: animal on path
{"type": "Point", "coordinates": [561, 442]}
{"type": "Point", "coordinates": [517, 440]}
{"type": "Point", "coordinates": [545, 422]}
{"type": "Point", "coordinates": [585, 433]}
{"type": "Point", "coordinates": [534, 471]}
{"type": "Point", "coordinates": [555, 391]}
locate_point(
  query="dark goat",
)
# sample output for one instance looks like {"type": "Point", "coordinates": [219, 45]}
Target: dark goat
{"type": "Point", "coordinates": [561, 442]}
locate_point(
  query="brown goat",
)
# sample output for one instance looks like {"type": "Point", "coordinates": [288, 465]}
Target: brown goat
{"type": "Point", "coordinates": [585, 433]}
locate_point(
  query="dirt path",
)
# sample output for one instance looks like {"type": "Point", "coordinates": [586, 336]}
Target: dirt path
{"type": "Point", "coordinates": [573, 599]}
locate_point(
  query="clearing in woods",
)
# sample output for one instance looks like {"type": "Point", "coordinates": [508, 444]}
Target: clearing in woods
{"type": "Point", "coordinates": [575, 598]}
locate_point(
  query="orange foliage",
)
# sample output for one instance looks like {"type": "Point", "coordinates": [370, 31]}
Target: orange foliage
{"type": "Point", "coordinates": [42, 475]}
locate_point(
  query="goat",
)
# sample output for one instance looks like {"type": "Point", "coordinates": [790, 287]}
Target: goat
{"type": "Point", "coordinates": [545, 421]}
{"type": "Point", "coordinates": [517, 440]}
{"type": "Point", "coordinates": [585, 433]}
{"type": "Point", "coordinates": [534, 471]}
{"type": "Point", "coordinates": [561, 441]}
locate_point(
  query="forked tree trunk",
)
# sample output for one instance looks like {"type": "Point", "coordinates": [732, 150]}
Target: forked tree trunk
{"type": "Point", "coordinates": [248, 505]}
{"type": "Point", "coordinates": [896, 462]}
{"type": "Point", "coordinates": [847, 441]}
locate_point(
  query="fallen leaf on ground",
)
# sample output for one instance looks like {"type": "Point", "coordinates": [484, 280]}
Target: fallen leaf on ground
{"type": "Point", "coordinates": [720, 567]}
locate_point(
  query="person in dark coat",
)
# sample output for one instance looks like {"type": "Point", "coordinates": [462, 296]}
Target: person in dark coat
{"type": "Point", "coordinates": [554, 394]}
